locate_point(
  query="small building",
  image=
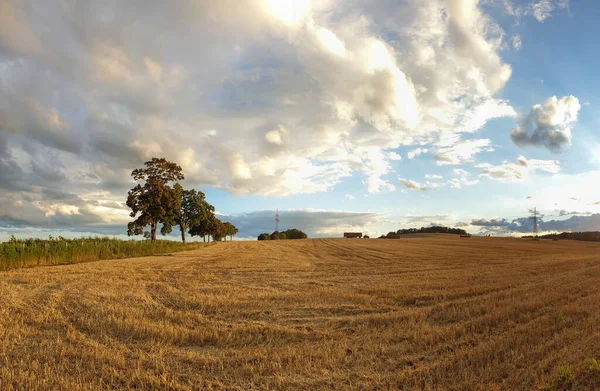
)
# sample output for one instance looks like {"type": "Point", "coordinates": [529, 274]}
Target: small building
{"type": "Point", "coordinates": [353, 235]}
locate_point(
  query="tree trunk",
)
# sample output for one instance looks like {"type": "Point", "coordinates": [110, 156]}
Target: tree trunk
{"type": "Point", "coordinates": [182, 227]}
{"type": "Point", "coordinates": [153, 231]}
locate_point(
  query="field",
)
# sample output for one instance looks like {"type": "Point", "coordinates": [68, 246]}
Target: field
{"type": "Point", "coordinates": [426, 313]}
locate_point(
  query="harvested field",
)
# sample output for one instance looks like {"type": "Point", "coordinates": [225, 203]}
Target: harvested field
{"type": "Point", "coordinates": [425, 313]}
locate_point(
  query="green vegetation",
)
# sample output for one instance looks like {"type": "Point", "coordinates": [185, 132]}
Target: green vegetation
{"type": "Point", "coordinates": [594, 365]}
{"type": "Point", "coordinates": [588, 236]}
{"type": "Point", "coordinates": [565, 374]}
{"type": "Point", "coordinates": [155, 202]}
{"type": "Point", "coordinates": [18, 253]}
{"type": "Point", "coordinates": [424, 230]}
{"type": "Point", "coordinates": [283, 235]}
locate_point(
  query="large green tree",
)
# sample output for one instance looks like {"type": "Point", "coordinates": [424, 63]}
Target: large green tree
{"type": "Point", "coordinates": [191, 211]}
{"type": "Point", "coordinates": [207, 226]}
{"type": "Point", "coordinates": [152, 202]}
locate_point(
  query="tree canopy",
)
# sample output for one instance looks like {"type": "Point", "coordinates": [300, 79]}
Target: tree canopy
{"type": "Point", "coordinates": [151, 203]}
{"type": "Point", "coordinates": [155, 202]}
{"type": "Point", "coordinates": [283, 235]}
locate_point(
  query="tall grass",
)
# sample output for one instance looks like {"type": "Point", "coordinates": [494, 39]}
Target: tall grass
{"type": "Point", "coordinates": [18, 253]}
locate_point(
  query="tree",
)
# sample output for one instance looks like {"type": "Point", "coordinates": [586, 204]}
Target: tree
{"type": "Point", "coordinates": [295, 234]}
{"type": "Point", "coordinates": [275, 235]}
{"type": "Point", "coordinates": [229, 230]}
{"type": "Point", "coordinates": [203, 226]}
{"type": "Point", "coordinates": [152, 202]}
{"type": "Point", "coordinates": [215, 228]}
{"type": "Point", "coordinates": [191, 211]}
{"type": "Point", "coordinates": [264, 236]}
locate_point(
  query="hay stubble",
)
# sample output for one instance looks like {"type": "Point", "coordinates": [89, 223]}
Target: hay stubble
{"type": "Point", "coordinates": [430, 313]}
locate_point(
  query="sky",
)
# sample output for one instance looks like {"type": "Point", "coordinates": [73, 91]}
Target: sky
{"type": "Point", "coordinates": [345, 115]}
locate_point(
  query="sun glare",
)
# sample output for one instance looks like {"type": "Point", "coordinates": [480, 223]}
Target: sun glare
{"type": "Point", "coordinates": [288, 11]}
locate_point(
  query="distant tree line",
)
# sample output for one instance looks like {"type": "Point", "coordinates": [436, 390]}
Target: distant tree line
{"type": "Point", "coordinates": [282, 235]}
{"type": "Point", "coordinates": [588, 236]}
{"type": "Point", "coordinates": [155, 202]}
{"type": "Point", "coordinates": [425, 230]}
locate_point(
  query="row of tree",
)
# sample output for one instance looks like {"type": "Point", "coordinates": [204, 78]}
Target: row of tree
{"type": "Point", "coordinates": [425, 230]}
{"type": "Point", "coordinates": [155, 202]}
{"type": "Point", "coordinates": [588, 236]}
{"type": "Point", "coordinates": [289, 234]}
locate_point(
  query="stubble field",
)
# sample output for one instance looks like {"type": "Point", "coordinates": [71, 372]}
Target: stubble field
{"type": "Point", "coordinates": [429, 313]}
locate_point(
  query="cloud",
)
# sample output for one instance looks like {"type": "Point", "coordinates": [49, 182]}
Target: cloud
{"type": "Point", "coordinates": [463, 178]}
{"type": "Point", "coordinates": [516, 42]}
{"type": "Point", "coordinates": [539, 9]}
{"type": "Point", "coordinates": [567, 213]}
{"type": "Point", "coordinates": [350, 197]}
{"type": "Point", "coordinates": [413, 185]}
{"type": "Point", "coordinates": [82, 91]}
{"type": "Point", "coordinates": [461, 151]}
{"type": "Point", "coordinates": [490, 223]}
{"type": "Point", "coordinates": [548, 124]}
{"type": "Point", "coordinates": [518, 170]}
{"type": "Point", "coordinates": [316, 223]}
{"type": "Point", "coordinates": [524, 225]}
{"type": "Point", "coordinates": [416, 152]}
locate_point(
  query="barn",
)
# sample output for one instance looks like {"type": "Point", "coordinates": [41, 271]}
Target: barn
{"type": "Point", "coordinates": [353, 235]}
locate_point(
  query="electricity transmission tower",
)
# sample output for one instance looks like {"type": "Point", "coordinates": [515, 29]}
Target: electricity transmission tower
{"type": "Point", "coordinates": [277, 223]}
{"type": "Point", "coordinates": [534, 217]}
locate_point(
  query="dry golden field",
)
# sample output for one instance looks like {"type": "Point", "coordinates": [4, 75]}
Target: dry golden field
{"type": "Point", "coordinates": [433, 313]}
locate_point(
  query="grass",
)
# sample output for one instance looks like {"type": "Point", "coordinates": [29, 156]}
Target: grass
{"type": "Point", "coordinates": [19, 253]}
{"type": "Point", "coordinates": [436, 313]}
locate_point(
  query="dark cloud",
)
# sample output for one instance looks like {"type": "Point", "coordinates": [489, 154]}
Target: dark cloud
{"type": "Point", "coordinates": [573, 224]}
{"type": "Point", "coordinates": [490, 223]}
{"type": "Point", "coordinates": [548, 124]}
{"type": "Point", "coordinates": [314, 223]}
{"type": "Point", "coordinates": [567, 213]}
{"type": "Point", "coordinates": [525, 224]}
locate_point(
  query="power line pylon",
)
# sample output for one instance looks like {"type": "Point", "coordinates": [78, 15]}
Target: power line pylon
{"type": "Point", "coordinates": [534, 217]}
{"type": "Point", "coordinates": [277, 223]}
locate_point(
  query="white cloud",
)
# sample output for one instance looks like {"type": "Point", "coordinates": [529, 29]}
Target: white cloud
{"type": "Point", "coordinates": [350, 197]}
{"type": "Point", "coordinates": [542, 9]}
{"type": "Point", "coordinates": [414, 185]}
{"type": "Point", "coordinates": [518, 170]}
{"type": "Point", "coordinates": [548, 124]}
{"type": "Point", "coordinates": [539, 9]}
{"type": "Point", "coordinates": [393, 156]}
{"type": "Point", "coordinates": [433, 176]}
{"type": "Point", "coordinates": [416, 152]}
{"type": "Point", "coordinates": [516, 42]}
{"type": "Point", "coordinates": [461, 151]}
{"type": "Point", "coordinates": [463, 178]}
{"type": "Point", "coordinates": [275, 136]}
{"type": "Point", "coordinates": [276, 98]}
